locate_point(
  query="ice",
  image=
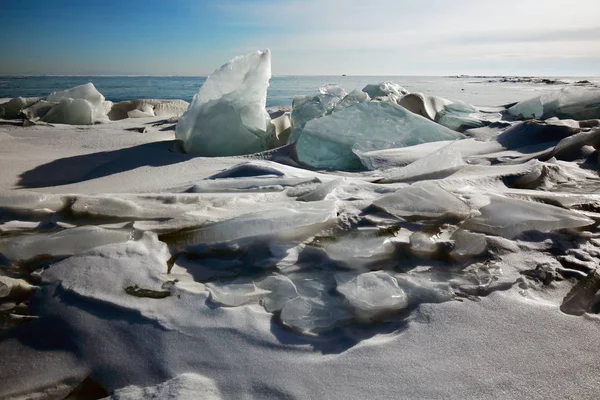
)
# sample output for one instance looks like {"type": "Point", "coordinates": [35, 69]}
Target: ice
{"type": "Point", "coordinates": [147, 108]}
{"type": "Point", "coordinates": [568, 103]}
{"type": "Point", "coordinates": [360, 250]}
{"type": "Point", "coordinates": [384, 89]}
{"type": "Point", "coordinates": [291, 222]}
{"type": "Point", "coordinates": [389, 158]}
{"type": "Point", "coordinates": [235, 293]}
{"type": "Point", "coordinates": [467, 244]}
{"type": "Point", "coordinates": [371, 294]}
{"type": "Point", "coordinates": [81, 105]}
{"type": "Point", "coordinates": [38, 110]}
{"type": "Point", "coordinates": [509, 217]}
{"type": "Point", "coordinates": [14, 288]}
{"type": "Point", "coordinates": [187, 386]}
{"type": "Point", "coordinates": [426, 106]}
{"type": "Point", "coordinates": [144, 111]}
{"type": "Point", "coordinates": [227, 117]}
{"type": "Point", "coordinates": [455, 115]}
{"type": "Point", "coordinates": [437, 165]}
{"type": "Point", "coordinates": [354, 97]}
{"type": "Point", "coordinates": [280, 289]}
{"type": "Point", "coordinates": [423, 244]}
{"type": "Point", "coordinates": [12, 108]}
{"type": "Point", "coordinates": [328, 142]}
{"type": "Point", "coordinates": [312, 315]}
{"type": "Point", "coordinates": [423, 199]}
{"type": "Point", "coordinates": [307, 108]}
{"type": "Point", "coordinates": [67, 242]}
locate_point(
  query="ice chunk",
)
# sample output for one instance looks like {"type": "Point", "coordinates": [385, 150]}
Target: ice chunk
{"type": "Point", "coordinates": [389, 158]}
{"type": "Point", "coordinates": [509, 217]}
{"type": "Point", "coordinates": [568, 103]}
{"type": "Point", "coordinates": [144, 111]}
{"type": "Point", "coordinates": [354, 97]}
{"type": "Point", "coordinates": [303, 219]}
{"type": "Point", "coordinates": [159, 108]}
{"type": "Point", "coordinates": [187, 386]}
{"type": "Point", "coordinates": [12, 108]}
{"type": "Point", "coordinates": [371, 294]}
{"type": "Point", "coordinates": [424, 199]}
{"type": "Point", "coordinates": [467, 244]}
{"type": "Point", "coordinates": [10, 287]}
{"type": "Point", "coordinates": [360, 250]}
{"type": "Point", "coordinates": [327, 142]}
{"type": "Point", "coordinates": [423, 244]}
{"type": "Point", "coordinates": [227, 117]}
{"type": "Point", "coordinates": [384, 89]}
{"type": "Point", "coordinates": [67, 242]}
{"type": "Point", "coordinates": [307, 108]}
{"type": "Point", "coordinates": [81, 105]}
{"type": "Point", "coordinates": [280, 289]}
{"type": "Point", "coordinates": [235, 293]}
{"type": "Point", "coordinates": [437, 165]}
{"type": "Point", "coordinates": [423, 105]}
{"type": "Point", "coordinates": [313, 315]}
{"type": "Point", "coordinates": [72, 112]}
{"type": "Point", "coordinates": [38, 110]}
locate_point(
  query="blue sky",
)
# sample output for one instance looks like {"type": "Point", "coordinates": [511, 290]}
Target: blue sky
{"type": "Point", "coordinates": [307, 37]}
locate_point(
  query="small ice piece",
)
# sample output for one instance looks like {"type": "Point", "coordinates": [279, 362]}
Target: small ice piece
{"type": "Point", "coordinates": [187, 386]}
{"type": "Point", "coordinates": [360, 250]}
{"type": "Point", "coordinates": [328, 142]}
{"type": "Point", "coordinates": [281, 290]}
{"type": "Point", "coordinates": [384, 89]}
{"type": "Point", "coordinates": [509, 217]}
{"type": "Point", "coordinates": [312, 315]}
{"type": "Point", "coordinates": [423, 199]}
{"type": "Point", "coordinates": [81, 105]}
{"type": "Point", "coordinates": [421, 288]}
{"type": "Point", "coordinates": [423, 244]}
{"type": "Point", "coordinates": [228, 117]}
{"type": "Point", "coordinates": [567, 103]}
{"type": "Point", "coordinates": [12, 226]}
{"type": "Point", "coordinates": [467, 244]}
{"type": "Point", "coordinates": [371, 294]}
{"type": "Point", "coordinates": [437, 165]}
{"type": "Point", "coordinates": [235, 293]}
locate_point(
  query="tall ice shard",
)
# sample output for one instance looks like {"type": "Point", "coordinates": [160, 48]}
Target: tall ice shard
{"type": "Point", "coordinates": [227, 117]}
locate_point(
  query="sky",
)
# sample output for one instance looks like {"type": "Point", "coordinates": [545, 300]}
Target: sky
{"type": "Point", "coordinates": [306, 37]}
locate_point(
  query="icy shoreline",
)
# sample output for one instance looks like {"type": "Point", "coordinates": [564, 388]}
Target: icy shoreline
{"type": "Point", "coordinates": [447, 268]}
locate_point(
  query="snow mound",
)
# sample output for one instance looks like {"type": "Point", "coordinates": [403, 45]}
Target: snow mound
{"type": "Point", "coordinates": [567, 103]}
{"type": "Point", "coordinates": [227, 117]}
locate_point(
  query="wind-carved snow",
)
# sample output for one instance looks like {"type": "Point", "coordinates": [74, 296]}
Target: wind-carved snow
{"type": "Point", "coordinates": [227, 117]}
{"type": "Point", "coordinates": [567, 103]}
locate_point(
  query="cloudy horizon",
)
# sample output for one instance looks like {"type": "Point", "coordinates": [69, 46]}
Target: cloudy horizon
{"type": "Point", "coordinates": [310, 37]}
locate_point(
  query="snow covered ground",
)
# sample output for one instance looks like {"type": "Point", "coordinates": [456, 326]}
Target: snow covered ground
{"type": "Point", "coordinates": [448, 269]}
